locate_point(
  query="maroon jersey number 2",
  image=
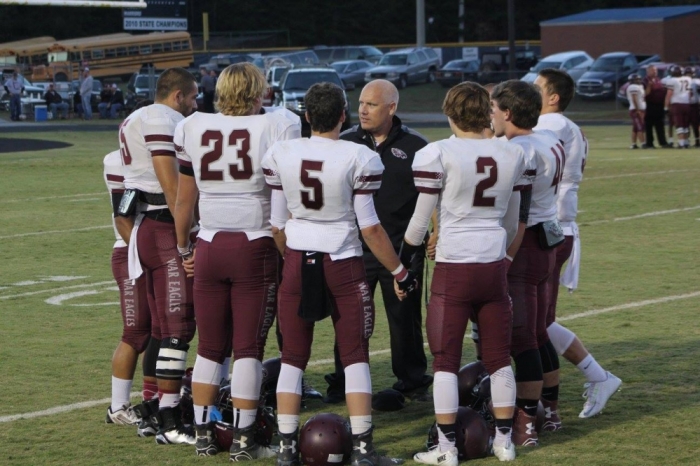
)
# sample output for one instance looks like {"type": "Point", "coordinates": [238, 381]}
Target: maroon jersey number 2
{"type": "Point", "coordinates": [479, 199]}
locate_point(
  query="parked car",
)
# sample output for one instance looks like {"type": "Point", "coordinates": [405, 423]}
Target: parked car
{"type": "Point", "coordinates": [457, 71]}
{"type": "Point", "coordinates": [406, 66]}
{"type": "Point", "coordinates": [302, 57]}
{"type": "Point", "coordinates": [143, 85]}
{"type": "Point", "coordinates": [495, 66]}
{"type": "Point", "coordinates": [575, 63]}
{"type": "Point", "coordinates": [297, 81]}
{"type": "Point", "coordinates": [352, 71]}
{"type": "Point", "coordinates": [221, 61]}
{"type": "Point", "coordinates": [662, 69]}
{"type": "Point", "coordinates": [609, 72]}
{"type": "Point", "coordinates": [348, 52]}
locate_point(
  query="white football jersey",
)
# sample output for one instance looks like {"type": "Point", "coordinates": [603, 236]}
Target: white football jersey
{"type": "Point", "coordinates": [319, 177]}
{"type": "Point", "coordinates": [576, 153]}
{"type": "Point", "coordinates": [225, 153]}
{"type": "Point", "coordinates": [145, 133]}
{"type": "Point", "coordinates": [694, 98]}
{"type": "Point", "coordinates": [682, 88]}
{"type": "Point", "coordinates": [114, 178]}
{"type": "Point", "coordinates": [549, 157]}
{"type": "Point", "coordinates": [635, 96]}
{"type": "Point", "coordinates": [475, 179]}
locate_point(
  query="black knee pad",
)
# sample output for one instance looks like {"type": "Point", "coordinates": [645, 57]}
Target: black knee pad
{"type": "Point", "coordinates": [150, 357]}
{"type": "Point", "coordinates": [550, 358]}
{"type": "Point", "coordinates": [528, 366]}
{"type": "Point", "coordinates": [172, 359]}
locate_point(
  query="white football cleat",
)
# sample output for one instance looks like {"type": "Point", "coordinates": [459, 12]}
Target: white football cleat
{"type": "Point", "coordinates": [597, 395]}
{"type": "Point", "coordinates": [437, 457]}
{"type": "Point", "coordinates": [124, 416]}
{"type": "Point", "coordinates": [505, 451]}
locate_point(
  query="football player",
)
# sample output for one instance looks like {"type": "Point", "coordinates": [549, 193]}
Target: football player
{"type": "Point", "coordinates": [691, 72]}
{"type": "Point", "coordinates": [469, 281]}
{"type": "Point", "coordinates": [557, 89]}
{"type": "Point", "coordinates": [327, 186]}
{"type": "Point", "coordinates": [635, 96]}
{"type": "Point", "coordinates": [516, 106]}
{"type": "Point", "coordinates": [680, 88]}
{"type": "Point", "coordinates": [150, 178]}
{"type": "Point", "coordinates": [136, 317]}
{"type": "Point", "coordinates": [235, 285]}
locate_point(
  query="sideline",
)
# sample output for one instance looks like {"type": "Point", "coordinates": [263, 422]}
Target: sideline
{"type": "Point", "coordinates": [625, 175]}
{"type": "Point", "coordinates": [320, 362]}
{"type": "Point", "coordinates": [50, 232]}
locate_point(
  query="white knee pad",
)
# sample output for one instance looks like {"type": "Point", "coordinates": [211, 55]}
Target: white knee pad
{"type": "Point", "coordinates": [503, 388]}
{"type": "Point", "coordinates": [246, 379]}
{"type": "Point", "coordinates": [561, 337]}
{"type": "Point", "coordinates": [289, 380]}
{"type": "Point", "coordinates": [357, 378]}
{"type": "Point", "coordinates": [445, 393]}
{"type": "Point", "coordinates": [206, 371]}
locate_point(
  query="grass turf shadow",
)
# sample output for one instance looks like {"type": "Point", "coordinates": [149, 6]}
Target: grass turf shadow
{"type": "Point", "coordinates": [10, 145]}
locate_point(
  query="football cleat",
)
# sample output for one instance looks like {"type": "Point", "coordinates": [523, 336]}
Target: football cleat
{"type": "Point", "coordinates": [597, 395]}
{"type": "Point", "coordinates": [524, 430]}
{"type": "Point", "coordinates": [308, 392]}
{"type": "Point", "coordinates": [288, 454]}
{"type": "Point", "coordinates": [124, 416]}
{"type": "Point", "coordinates": [146, 410]}
{"type": "Point", "coordinates": [552, 421]}
{"type": "Point", "coordinates": [244, 447]}
{"type": "Point", "coordinates": [364, 454]}
{"type": "Point", "coordinates": [437, 457]}
{"type": "Point", "coordinates": [205, 444]}
{"type": "Point", "coordinates": [505, 451]}
{"type": "Point", "coordinates": [171, 430]}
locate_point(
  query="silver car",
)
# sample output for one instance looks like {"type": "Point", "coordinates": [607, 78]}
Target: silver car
{"type": "Point", "coordinates": [575, 63]}
{"type": "Point", "coordinates": [406, 66]}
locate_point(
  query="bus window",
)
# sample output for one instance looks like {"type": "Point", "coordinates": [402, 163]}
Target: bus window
{"type": "Point", "coordinates": [185, 45]}
{"type": "Point", "coordinates": [97, 54]}
{"type": "Point", "coordinates": [110, 53]}
{"type": "Point", "coordinates": [121, 51]}
{"type": "Point", "coordinates": [58, 56]}
{"type": "Point", "coordinates": [167, 47]}
{"type": "Point", "coordinates": [157, 48]}
{"type": "Point", "coordinates": [145, 49]}
{"type": "Point", "coordinates": [134, 50]}
{"type": "Point", "coordinates": [87, 55]}
{"type": "Point", "coordinates": [176, 46]}
{"type": "Point", "coordinates": [75, 56]}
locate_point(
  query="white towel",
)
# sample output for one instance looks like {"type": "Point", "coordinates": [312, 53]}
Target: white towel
{"type": "Point", "coordinates": [135, 269]}
{"type": "Point", "coordinates": [569, 278]}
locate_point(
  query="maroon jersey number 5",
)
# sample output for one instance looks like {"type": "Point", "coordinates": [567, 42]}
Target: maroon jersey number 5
{"type": "Point", "coordinates": [123, 148]}
{"type": "Point", "coordinates": [312, 182]}
{"type": "Point", "coordinates": [215, 154]}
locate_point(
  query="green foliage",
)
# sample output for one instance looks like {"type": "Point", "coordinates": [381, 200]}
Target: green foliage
{"type": "Point", "coordinates": [54, 355]}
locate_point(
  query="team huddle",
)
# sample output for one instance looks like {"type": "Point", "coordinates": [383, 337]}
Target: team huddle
{"type": "Point", "coordinates": [231, 220]}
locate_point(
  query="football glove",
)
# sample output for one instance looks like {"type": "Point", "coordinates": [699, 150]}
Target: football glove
{"type": "Point", "coordinates": [409, 283]}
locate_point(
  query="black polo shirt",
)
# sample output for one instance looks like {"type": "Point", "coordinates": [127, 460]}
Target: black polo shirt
{"type": "Point", "coordinates": [396, 199]}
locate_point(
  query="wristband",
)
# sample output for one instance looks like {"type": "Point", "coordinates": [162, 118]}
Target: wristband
{"type": "Point", "coordinates": [186, 251]}
{"type": "Point", "coordinates": [400, 273]}
{"type": "Point", "coordinates": [509, 258]}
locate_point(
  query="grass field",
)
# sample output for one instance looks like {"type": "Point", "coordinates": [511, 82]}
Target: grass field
{"type": "Point", "coordinates": [635, 309]}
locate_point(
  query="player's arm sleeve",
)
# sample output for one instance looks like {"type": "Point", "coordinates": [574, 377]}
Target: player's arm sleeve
{"type": "Point", "coordinates": [428, 171]}
{"type": "Point", "coordinates": [510, 219]}
{"type": "Point", "coordinates": [365, 211]}
{"type": "Point", "coordinates": [279, 213]}
{"type": "Point", "coordinates": [184, 160]}
{"type": "Point", "coordinates": [425, 206]}
{"type": "Point", "coordinates": [368, 172]}
{"type": "Point", "coordinates": [527, 173]}
{"type": "Point", "coordinates": [270, 170]}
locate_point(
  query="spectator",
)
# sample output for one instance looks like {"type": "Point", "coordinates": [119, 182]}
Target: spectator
{"type": "Point", "coordinates": [105, 99]}
{"type": "Point", "coordinates": [208, 88]}
{"type": "Point", "coordinates": [78, 104]}
{"type": "Point", "coordinates": [14, 87]}
{"type": "Point", "coordinates": [86, 93]}
{"type": "Point", "coordinates": [117, 102]}
{"type": "Point", "coordinates": [55, 102]}
{"type": "Point", "coordinates": [654, 95]}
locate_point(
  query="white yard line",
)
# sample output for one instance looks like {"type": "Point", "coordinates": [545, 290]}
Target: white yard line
{"type": "Point", "coordinates": [625, 175]}
{"type": "Point", "coordinates": [55, 290]}
{"type": "Point", "coordinates": [625, 159]}
{"type": "Point", "coordinates": [51, 232]}
{"type": "Point", "coordinates": [648, 214]}
{"type": "Point", "coordinates": [44, 198]}
{"type": "Point", "coordinates": [320, 362]}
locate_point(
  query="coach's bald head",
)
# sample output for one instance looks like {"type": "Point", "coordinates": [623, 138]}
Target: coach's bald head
{"type": "Point", "coordinates": [378, 102]}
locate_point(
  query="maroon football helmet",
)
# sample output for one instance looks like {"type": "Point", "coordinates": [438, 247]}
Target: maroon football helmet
{"type": "Point", "coordinates": [186, 403]}
{"type": "Point", "coordinates": [268, 388]}
{"type": "Point", "coordinates": [473, 435]}
{"type": "Point", "coordinates": [265, 424]}
{"type": "Point", "coordinates": [675, 71]}
{"type": "Point", "coordinates": [689, 71]}
{"type": "Point", "coordinates": [325, 440]}
{"type": "Point", "coordinates": [469, 377]}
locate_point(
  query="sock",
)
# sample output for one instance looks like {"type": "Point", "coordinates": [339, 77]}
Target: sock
{"type": "Point", "coordinates": [591, 370]}
{"type": "Point", "coordinates": [202, 414]}
{"type": "Point", "coordinates": [529, 406]}
{"type": "Point", "coordinates": [243, 418]}
{"type": "Point", "coordinates": [287, 423]}
{"type": "Point", "coordinates": [550, 393]}
{"type": "Point", "coordinates": [447, 436]}
{"type": "Point", "coordinates": [168, 400]}
{"type": "Point", "coordinates": [121, 393]}
{"type": "Point", "coordinates": [150, 390]}
{"type": "Point", "coordinates": [504, 429]}
{"type": "Point", "coordinates": [360, 424]}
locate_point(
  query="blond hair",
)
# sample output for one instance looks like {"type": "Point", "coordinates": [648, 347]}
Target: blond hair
{"type": "Point", "coordinates": [238, 87]}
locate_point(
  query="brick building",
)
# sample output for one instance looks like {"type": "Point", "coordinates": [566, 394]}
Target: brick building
{"type": "Point", "coordinates": [672, 32]}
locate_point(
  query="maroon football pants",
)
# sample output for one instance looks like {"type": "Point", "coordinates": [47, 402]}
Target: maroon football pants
{"type": "Point", "coordinates": [235, 295]}
{"type": "Point", "coordinates": [563, 251]}
{"type": "Point", "coordinates": [353, 310]}
{"type": "Point", "coordinates": [133, 297]}
{"type": "Point", "coordinates": [458, 293]}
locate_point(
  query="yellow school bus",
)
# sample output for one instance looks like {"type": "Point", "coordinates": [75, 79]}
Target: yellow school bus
{"type": "Point", "coordinates": [118, 54]}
